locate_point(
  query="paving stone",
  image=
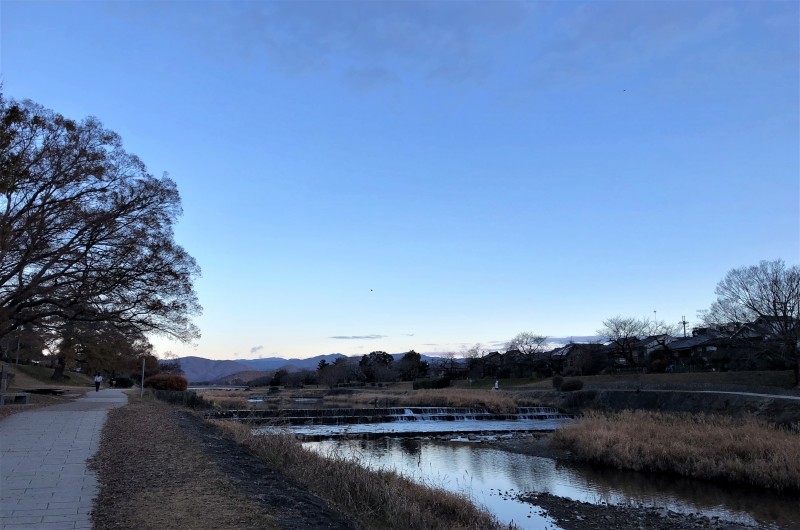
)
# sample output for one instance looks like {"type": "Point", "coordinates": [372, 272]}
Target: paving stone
{"type": "Point", "coordinates": [43, 463]}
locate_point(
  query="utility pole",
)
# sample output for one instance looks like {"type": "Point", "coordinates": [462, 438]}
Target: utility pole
{"type": "Point", "coordinates": [683, 321]}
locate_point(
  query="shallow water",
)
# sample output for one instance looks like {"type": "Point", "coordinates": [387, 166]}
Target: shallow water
{"type": "Point", "coordinates": [493, 477]}
{"type": "Point", "coordinates": [430, 427]}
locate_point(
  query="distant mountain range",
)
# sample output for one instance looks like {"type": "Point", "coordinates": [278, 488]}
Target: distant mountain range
{"type": "Point", "coordinates": [197, 369]}
{"type": "Point", "coordinates": [576, 338]}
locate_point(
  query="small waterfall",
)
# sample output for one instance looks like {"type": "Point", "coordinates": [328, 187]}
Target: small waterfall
{"type": "Point", "coordinates": [351, 416]}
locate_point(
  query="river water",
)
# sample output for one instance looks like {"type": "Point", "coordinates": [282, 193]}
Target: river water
{"type": "Point", "coordinates": [493, 478]}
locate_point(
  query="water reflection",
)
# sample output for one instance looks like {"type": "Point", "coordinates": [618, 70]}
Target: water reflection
{"type": "Point", "coordinates": [410, 446]}
{"type": "Point", "coordinates": [492, 477]}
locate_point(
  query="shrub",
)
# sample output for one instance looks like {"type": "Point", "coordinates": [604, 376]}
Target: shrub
{"type": "Point", "coordinates": [571, 385]}
{"type": "Point", "coordinates": [123, 382]}
{"type": "Point", "coordinates": [658, 366]}
{"type": "Point", "coordinates": [166, 382]}
{"type": "Point", "coordinates": [187, 399]}
{"type": "Point", "coordinates": [557, 382]}
{"type": "Point", "coordinates": [439, 382]}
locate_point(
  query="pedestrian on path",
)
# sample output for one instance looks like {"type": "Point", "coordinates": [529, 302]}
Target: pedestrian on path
{"type": "Point", "coordinates": [97, 380]}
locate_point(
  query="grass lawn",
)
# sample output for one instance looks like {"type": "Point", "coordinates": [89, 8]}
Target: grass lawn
{"type": "Point", "coordinates": [43, 374]}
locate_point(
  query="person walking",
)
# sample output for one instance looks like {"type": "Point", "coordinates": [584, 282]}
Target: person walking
{"type": "Point", "coordinates": [97, 380]}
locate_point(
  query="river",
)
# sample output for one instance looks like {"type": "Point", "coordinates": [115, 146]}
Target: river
{"type": "Point", "coordinates": [493, 478]}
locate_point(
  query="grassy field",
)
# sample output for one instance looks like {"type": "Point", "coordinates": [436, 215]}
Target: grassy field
{"type": "Point", "coordinates": [42, 374]}
{"type": "Point", "coordinates": [740, 450]}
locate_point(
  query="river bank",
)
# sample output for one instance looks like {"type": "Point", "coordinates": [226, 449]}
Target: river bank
{"type": "Point", "coordinates": [576, 515]}
{"type": "Point", "coordinates": [157, 463]}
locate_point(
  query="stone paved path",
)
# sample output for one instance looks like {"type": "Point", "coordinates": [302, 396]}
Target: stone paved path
{"type": "Point", "coordinates": [44, 479]}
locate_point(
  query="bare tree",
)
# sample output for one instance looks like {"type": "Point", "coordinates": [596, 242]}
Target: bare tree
{"type": "Point", "coordinates": [769, 292]}
{"type": "Point", "coordinates": [528, 343]}
{"type": "Point", "coordinates": [476, 351]}
{"type": "Point", "coordinates": [623, 333]}
{"type": "Point", "coordinates": [522, 351]}
{"type": "Point", "coordinates": [661, 332]}
{"type": "Point", "coordinates": [85, 232]}
{"type": "Point", "coordinates": [447, 363]}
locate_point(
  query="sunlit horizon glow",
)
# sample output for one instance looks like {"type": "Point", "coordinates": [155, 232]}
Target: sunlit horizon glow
{"type": "Point", "coordinates": [361, 176]}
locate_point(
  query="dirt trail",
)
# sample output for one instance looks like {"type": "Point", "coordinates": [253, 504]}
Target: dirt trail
{"type": "Point", "coordinates": [162, 468]}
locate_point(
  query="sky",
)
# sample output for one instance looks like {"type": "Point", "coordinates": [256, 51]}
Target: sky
{"type": "Point", "coordinates": [378, 175]}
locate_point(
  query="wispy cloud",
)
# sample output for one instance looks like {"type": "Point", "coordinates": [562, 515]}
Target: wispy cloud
{"type": "Point", "coordinates": [369, 44]}
{"type": "Point", "coordinates": [358, 337]}
{"type": "Point", "coordinates": [255, 349]}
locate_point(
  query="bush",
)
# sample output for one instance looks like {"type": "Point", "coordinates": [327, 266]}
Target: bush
{"type": "Point", "coordinates": [571, 384]}
{"type": "Point", "coordinates": [424, 384]}
{"type": "Point", "coordinates": [557, 382]}
{"type": "Point", "coordinates": [658, 366]}
{"type": "Point", "coordinates": [166, 382]}
{"type": "Point", "coordinates": [123, 382]}
{"type": "Point", "coordinates": [187, 399]}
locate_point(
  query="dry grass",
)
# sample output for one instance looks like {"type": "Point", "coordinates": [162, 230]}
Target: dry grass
{"type": "Point", "coordinates": [154, 477]}
{"type": "Point", "coordinates": [377, 499]}
{"type": "Point", "coordinates": [764, 380]}
{"type": "Point", "coordinates": [445, 397]}
{"type": "Point", "coordinates": [227, 402]}
{"type": "Point", "coordinates": [452, 397]}
{"type": "Point", "coordinates": [740, 450]}
{"type": "Point", "coordinates": [41, 375]}
{"type": "Point", "coordinates": [209, 394]}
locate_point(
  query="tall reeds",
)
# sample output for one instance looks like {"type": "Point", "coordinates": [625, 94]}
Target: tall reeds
{"type": "Point", "coordinates": [445, 397]}
{"type": "Point", "coordinates": [739, 450]}
{"type": "Point", "coordinates": [377, 499]}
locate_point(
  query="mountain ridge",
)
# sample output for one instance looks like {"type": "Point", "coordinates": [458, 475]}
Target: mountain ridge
{"type": "Point", "coordinates": [200, 369]}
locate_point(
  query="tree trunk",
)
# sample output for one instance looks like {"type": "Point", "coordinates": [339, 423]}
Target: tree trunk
{"type": "Point", "coordinates": [58, 373]}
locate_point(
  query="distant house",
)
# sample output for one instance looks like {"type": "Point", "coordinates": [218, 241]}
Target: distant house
{"type": "Point", "coordinates": [766, 328]}
{"type": "Point", "coordinates": [486, 366]}
{"type": "Point", "coordinates": [731, 346]}
{"type": "Point", "coordinates": [643, 348]}
{"type": "Point", "coordinates": [578, 358]}
{"type": "Point", "coordinates": [695, 347]}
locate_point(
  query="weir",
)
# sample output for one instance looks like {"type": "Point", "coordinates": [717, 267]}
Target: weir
{"type": "Point", "coordinates": [352, 416]}
{"type": "Point", "coordinates": [363, 423]}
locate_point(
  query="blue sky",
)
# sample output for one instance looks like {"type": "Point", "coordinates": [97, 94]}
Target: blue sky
{"type": "Point", "coordinates": [362, 176]}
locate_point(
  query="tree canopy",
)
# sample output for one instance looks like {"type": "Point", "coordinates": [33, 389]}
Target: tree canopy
{"type": "Point", "coordinates": [86, 235]}
{"type": "Point", "coordinates": [770, 292]}
{"type": "Point", "coordinates": [527, 342]}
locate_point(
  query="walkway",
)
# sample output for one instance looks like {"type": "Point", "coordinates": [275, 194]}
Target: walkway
{"type": "Point", "coordinates": [44, 479]}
